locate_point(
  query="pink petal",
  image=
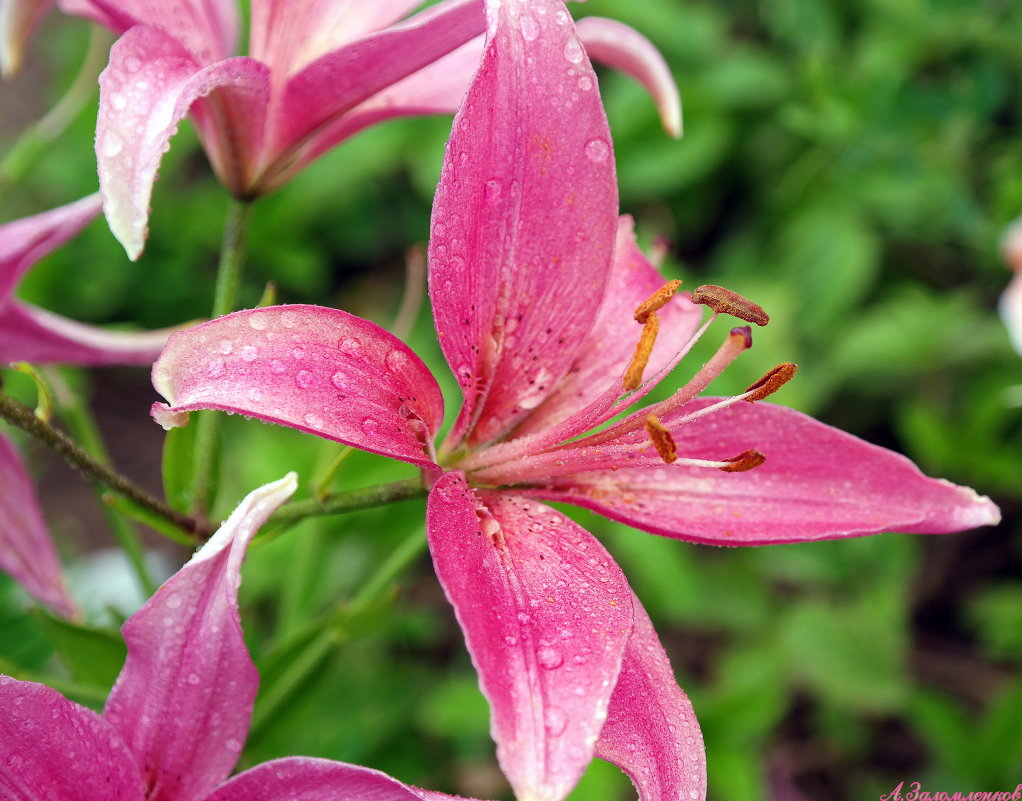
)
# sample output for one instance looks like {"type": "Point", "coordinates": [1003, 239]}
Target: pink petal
{"type": "Point", "coordinates": [51, 748]}
{"type": "Point", "coordinates": [308, 779]}
{"type": "Point", "coordinates": [651, 731]}
{"type": "Point", "coordinates": [208, 29]}
{"type": "Point", "coordinates": [437, 88]}
{"type": "Point", "coordinates": [625, 49]}
{"type": "Point", "coordinates": [523, 221]}
{"type": "Point", "coordinates": [18, 18]}
{"type": "Point", "coordinates": [1011, 310]}
{"type": "Point", "coordinates": [289, 34]}
{"type": "Point", "coordinates": [338, 81]}
{"type": "Point", "coordinates": [319, 370]}
{"type": "Point", "coordinates": [184, 698]}
{"type": "Point", "coordinates": [607, 350]}
{"type": "Point", "coordinates": [145, 91]}
{"type": "Point", "coordinates": [24, 242]}
{"type": "Point", "coordinates": [546, 614]}
{"type": "Point", "coordinates": [26, 551]}
{"type": "Point", "coordinates": [31, 334]}
{"type": "Point", "coordinates": [817, 483]}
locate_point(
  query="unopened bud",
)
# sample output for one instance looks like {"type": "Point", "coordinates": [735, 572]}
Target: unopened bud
{"type": "Point", "coordinates": [633, 375]}
{"type": "Point", "coordinates": [724, 301]}
{"type": "Point", "coordinates": [656, 301]}
{"type": "Point", "coordinates": [661, 438]}
{"type": "Point", "coordinates": [771, 382]}
{"type": "Point", "coordinates": [746, 460]}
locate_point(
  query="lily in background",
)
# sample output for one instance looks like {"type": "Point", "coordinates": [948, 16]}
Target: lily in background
{"type": "Point", "coordinates": [317, 72]}
{"type": "Point", "coordinates": [175, 722]}
{"type": "Point", "coordinates": [18, 18]}
{"type": "Point", "coordinates": [29, 333]}
{"type": "Point", "coordinates": [539, 296]}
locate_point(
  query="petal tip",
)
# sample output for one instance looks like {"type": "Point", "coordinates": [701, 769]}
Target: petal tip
{"type": "Point", "coordinates": [168, 417]}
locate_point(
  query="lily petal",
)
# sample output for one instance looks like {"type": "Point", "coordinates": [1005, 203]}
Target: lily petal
{"type": "Point", "coordinates": [817, 483]}
{"type": "Point", "coordinates": [315, 369]}
{"type": "Point", "coordinates": [18, 18]}
{"type": "Point", "coordinates": [520, 256]}
{"type": "Point", "coordinates": [31, 334]}
{"type": "Point", "coordinates": [605, 353]}
{"type": "Point", "coordinates": [289, 34]}
{"type": "Point", "coordinates": [308, 779]}
{"type": "Point", "coordinates": [338, 81]}
{"type": "Point", "coordinates": [651, 731]}
{"type": "Point", "coordinates": [546, 614]}
{"type": "Point", "coordinates": [183, 701]}
{"type": "Point", "coordinates": [26, 551]}
{"type": "Point", "coordinates": [51, 748]}
{"type": "Point", "coordinates": [24, 242]}
{"type": "Point", "coordinates": [208, 29]}
{"type": "Point", "coordinates": [624, 48]}
{"type": "Point", "coordinates": [149, 85]}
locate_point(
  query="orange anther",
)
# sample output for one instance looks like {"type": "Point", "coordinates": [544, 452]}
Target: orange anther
{"type": "Point", "coordinates": [661, 438]}
{"type": "Point", "coordinates": [656, 301]}
{"type": "Point", "coordinates": [724, 301]}
{"type": "Point", "coordinates": [771, 382]}
{"type": "Point", "coordinates": [633, 375]}
{"type": "Point", "coordinates": [746, 460]}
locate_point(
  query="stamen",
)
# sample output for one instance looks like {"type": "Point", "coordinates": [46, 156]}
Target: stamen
{"type": "Point", "coordinates": [724, 301]}
{"type": "Point", "coordinates": [633, 375]}
{"type": "Point", "coordinates": [746, 460]}
{"type": "Point", "coordinates": [661, 438]}
{"type": "Point", "coordinates": [771, 382]}
{"type": "Point", "coordinates": [656, 301]}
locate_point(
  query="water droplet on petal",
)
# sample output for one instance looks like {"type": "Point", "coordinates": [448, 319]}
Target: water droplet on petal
{"type": "Point", "coordinates": [249, 353]}
{"type": "Point", "coordinates": [350, 346]}
{"type": "Point", "coordinates": [233, 746]}
{"type": "Point", "coordinates": [193, 678]}
{"type": "Point", "coordinates": [555, 721]}
{"type": "Point", "coordinates": [313, 420]}
{"type": "Point", "coordinates": [289, 319]}
{"type": "Point", "coordinates": [370, 427]}
{"type": "Point", "coordinates": [277, 366]}
{"type": "Point", "coordinates": [573, 51]}
{"type": "Point", "coordinates": [529, 28]}
{"type": "Point", "coordinates": [597, 150]}
{"type": "Point", "coordinates": [112, 144]}
{"type": "Point", "coordinates": [225, 346]}
{"type": "Point", "coordinates": [397, 361]}
{"type": "Point", "coordinates": [216, 368]}
{"type": "Point", "coordinates": [549, 658]}
{"type": "Point", "coordinates": [257, 321]}
{"type": "Point", "coordinates": [304, 379]}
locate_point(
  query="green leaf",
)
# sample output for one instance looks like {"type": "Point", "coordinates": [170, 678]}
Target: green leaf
{"type": "Point", "coordinates": [93, 656]}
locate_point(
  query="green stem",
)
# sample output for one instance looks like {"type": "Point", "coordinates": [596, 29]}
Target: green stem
{"type": "Point", "coordinates": [351, 501]}
{"type": "Point", "coordinates": [225, 299]}
{"type": "Point", "coordinates": [22, 417]}
{"type": "Point", "coordinates": [83, 427]}
{"type": "Point", "coordinates": [38, 138]}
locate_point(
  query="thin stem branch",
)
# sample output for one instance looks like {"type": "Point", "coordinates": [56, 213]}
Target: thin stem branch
{"type": "Point", "coordinates": [19, 415]}
{"type": "Point", "coordinates": [351, 501]}
{"type": "Point", "coordinates": [225, 299]}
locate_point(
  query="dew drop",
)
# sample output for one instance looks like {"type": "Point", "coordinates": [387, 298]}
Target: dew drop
{"type": "Point", "coordinates": [249, 353]}
{"type": "Point", "coordinates": [339, 380]}
{"type": "Point", "coordinates": [512, 641]}
{"type": "Point", "coordinates": [216, 368]}
{"type": "Point", "coordinates": [530, 30]}
{"type": "Point", "coordinates": [289, 319]}
{"type": "Point", "coordinates": [257, 321]}
{"type": "Point", "coordinates": [297, 353]}
{"type": "Point", "coordinates": [193, 678]}
{"type": "Point", "coordinates": [350, 346]}
{"type": "Point", "coordinates": [549, 658]}
{"type": "Point", "coordinates": [573, 51]}
{"type": "Point", "coordinates": [313, 420]}
{"type": "Point", "coordinates": [233, 746]}
{"type": "Point", "coordinates": [225, 346]}
{"type": "Point", "coordinates": [555, 721]}
{"type": "Point", "coordinates": [277, 366]}
{"type": "Point", "coordinates": [304, 379]}
{"type": "Point", "coordinates": [173, 601]}
{"type": "Point", "coordinates": [112, 144]}
{"type": "Point", "coordinates": [585, 83]}
{"type": "Point", "coordinates": [370, 427]}
{"type": "Point", "coordinates": [597, 150]}
{"type": "Point", "coordinates": [118, 101]}
{"type": "Point", "coordinates": [132, 64]}
{"type": "Point", "coordinates": [397, 362]}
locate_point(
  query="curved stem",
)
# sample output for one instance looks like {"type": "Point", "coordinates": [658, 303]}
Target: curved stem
{"type": "Point", "coordinates": [351, 501]}
{"type": "Point", "coordinates": [21, 416]}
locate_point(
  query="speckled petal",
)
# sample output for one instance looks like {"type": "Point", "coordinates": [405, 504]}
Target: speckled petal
{"type": "Point", "coordinates": [149, 85]}
{"type": "Point", "coordinates": [524, 219]}
{"type": "Point", "coordinates": [184, 699]}
{"type": "Point", "coordinates": [308, 779]}
{"type": "Point", "coordinates": [18, 18]}
{"type": "Point", "coordinates": [651, 731]}
{"type": "Point", "coordinates": [625, 49]}
{"type": "Point", "coordinates": [26, 551]}
{"type": "Point", "coordinates": [319, 370]}
{"type": "Point", "coordinates": [208, 29]}
{"type": "Point", "coordinates": [817, 483]}
{"type": "Point", "coordinates": [546, 613]}
{"type": "Point", "coordinates": [54, 750]}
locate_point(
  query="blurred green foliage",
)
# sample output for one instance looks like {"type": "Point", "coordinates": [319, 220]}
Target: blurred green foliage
{"type": "Point", "coordinates": [849, 165]}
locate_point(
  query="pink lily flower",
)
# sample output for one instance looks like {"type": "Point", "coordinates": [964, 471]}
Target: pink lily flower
{"type": "Point", "coordinates": [176, 720]}
{"type": "Point", "coordinates": [534, 283]}
{"type": "Point", "coordinates": [28, 333]}
{"type": "Point", "coordinates": [317, 73]}
{"type": "Point", "coordinates": [18, 18]}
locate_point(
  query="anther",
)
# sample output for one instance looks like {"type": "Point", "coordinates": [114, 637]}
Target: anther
{"type": "Point", "coordinates": [724, 301]}
{"type": "Point", "coordinates": [656, 301]}
{"type": "Point", "coordinates": [661, 438]}
{"type": "Point", "coordinates": [771, 382]}
{"type": "Point", "coordinates": [746, 460]}
{"type": "Point", "coordinates": [633, 375]}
